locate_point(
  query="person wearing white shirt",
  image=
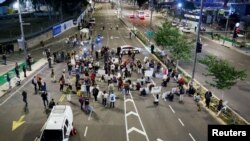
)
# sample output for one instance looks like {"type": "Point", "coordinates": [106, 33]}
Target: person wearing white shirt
{"type": "Point", "coordinates": [105, 96]}
{"type": "Point", "coordinates": [112, 68]}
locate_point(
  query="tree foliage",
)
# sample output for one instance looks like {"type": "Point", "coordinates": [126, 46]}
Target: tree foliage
{"type": "Point", "coordinates": [224, 75]}
{"type": "Point", "coordinates": [170, 38]}
{"type": "Point", "coordinates": [166, 35]}
{"type": "Point", "coordinates": [141, 2]}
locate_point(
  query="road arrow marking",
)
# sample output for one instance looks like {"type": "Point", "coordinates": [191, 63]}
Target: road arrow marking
{"type": "Point", "coordinates": [18, 123]}
{"type": "Point", "coordinates": [158, 139]}
{"type": "Point", "coordinates": [137, 130]}
{"type": "Point", "coordinates": [131, 113]}
{"type": "Point", "coordinates": [127, 100]}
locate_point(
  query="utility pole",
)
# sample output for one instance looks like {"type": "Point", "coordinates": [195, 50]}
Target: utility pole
{"type": "Point", "coordinates": [197, 41]}
{"type": "Point", "coordinates": [22, 42]}
{"type": "Point", "coordinates": [151, 17]}
{"type": "Point", "coordinates": [226, 30]}
{"type": "Point", "coordinates": [134, 16]}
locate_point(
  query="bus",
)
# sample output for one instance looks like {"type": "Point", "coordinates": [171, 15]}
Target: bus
{"type": "Point", "coordinates": [140, 14]}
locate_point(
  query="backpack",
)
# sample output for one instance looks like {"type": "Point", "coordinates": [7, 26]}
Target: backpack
{"type": "Point", "coordinates": [112, 98]}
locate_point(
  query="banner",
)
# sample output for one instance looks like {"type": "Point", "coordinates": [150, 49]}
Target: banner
{"type": "Point", "coordinates": [101, 72]}
{"type": "Point", "coordinates": [149, 73]}
{"type": "Point", "coordinates": [59, 29]}
{"type": "Point", "coordinates": [156, 90]}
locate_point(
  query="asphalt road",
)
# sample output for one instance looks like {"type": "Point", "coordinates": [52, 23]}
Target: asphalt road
{"type": "Point", "coordinates": [134, 118]}
{"type": "Point", "coordinates": [238, 96]}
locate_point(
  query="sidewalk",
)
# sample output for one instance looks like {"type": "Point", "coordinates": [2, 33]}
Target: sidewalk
{"type": "Point", "coordinates": [36, 66]}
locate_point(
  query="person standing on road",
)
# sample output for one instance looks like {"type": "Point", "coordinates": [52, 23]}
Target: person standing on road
{"type": "Point", "coordinates": [44, 87]}
{"type": "Point", "coordinates": [112, 100]}
{"type": "Point", "coordinates": [17, 70]}
{"type": "Point", "coordinates": [4, 59]}
{"type": "Point", "coordinates": [29, 61]}
{"type": "Point", "coordinates": [24, 71]}
{"type": "Point", "coordinates": [95, 92]}
{"type": "Point", "coordinates": [8, 80]}
{"type": "Point", "coordinates": [45, 99]}
{"type": "Point", "coordinates": [24, 94]}
{"type": "Point", "coordinates": [208, 96]}
{"type": "Point", "coordinates": [152, 48]}
{"type": "Point", "coordinates": [34, 82]}
{"type": "Point", "coordinates": [130, 35]}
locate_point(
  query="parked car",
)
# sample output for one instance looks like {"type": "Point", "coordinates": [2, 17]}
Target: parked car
{"type": "Point", "coordinates": [59, 124]}
{"type": "Point", "coordinates": [185, 29]}
{"type": "Point", "coordinates": [126, 48]}
{"type": "Point", "coordinates": [131, 15]}
{"type": "Point", "coordinates": [174, 23]}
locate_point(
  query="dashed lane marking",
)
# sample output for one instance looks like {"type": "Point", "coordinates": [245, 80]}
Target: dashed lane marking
{"type": "Point", "coordinates": [171, 109]}
{"type": "Point", "coordinates": [85, 132]}
{"type": "Point", "coordinates": [192, 137]}
{"type": "Point", "coordinates": [181, 122]}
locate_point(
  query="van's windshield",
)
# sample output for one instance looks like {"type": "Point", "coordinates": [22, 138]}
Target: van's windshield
{"type": "Point", "coordinates": [52, 135]}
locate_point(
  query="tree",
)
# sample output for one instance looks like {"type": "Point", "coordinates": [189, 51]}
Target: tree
{"type": "Point", "coordinates": [224, 76]}
{"type": "Point", "coordinates": [141, 2]}
{"type": "Point", "coordinates": [170, 38]}
{"type": "Point", "coordinates": [181, 50]}
{"type": "Point", "coordinates": [166, 35]}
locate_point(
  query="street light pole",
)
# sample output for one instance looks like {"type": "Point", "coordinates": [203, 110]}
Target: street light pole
{"type": "Point", "coordinates": [151, 17]}
{"type": "Point", "coordinates": [134, 16]}
{"type": "Point", "coordinates": [226, 30]}
{"type": "Point", "coordinates": [22, 32]}
{"type": "Point", "coordinates": [197, 40]}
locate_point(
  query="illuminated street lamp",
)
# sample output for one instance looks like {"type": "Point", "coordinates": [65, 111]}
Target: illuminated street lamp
{"type": "Point", "coordinates": [179, 5]}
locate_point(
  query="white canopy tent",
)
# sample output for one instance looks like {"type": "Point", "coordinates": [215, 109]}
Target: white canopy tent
{"type": "Point", "coordinates": [85, 33]}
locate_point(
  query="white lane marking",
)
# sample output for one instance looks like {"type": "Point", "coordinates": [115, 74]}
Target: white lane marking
{"type": "Point", "coordinates": [85, 132]}
{"type": "Point", "coordinates": [158, 139]}
{"type": "Point", "coordinates": [28, 81]}
{"type": "Point", "coordinates": [241, 64]}
{"type": "Point", "coordinates": [131, 113]}
{"type": "Point", "coordinates": [181, 122]}
{"type": "Point", "coordinates": [126, 123]}
{"type": "Point", "coordinates": [90, 115]}
{"type": "Point", "coordinates": [192, 137]}
{"type": "Point", "coordinates": [248, 82]}
{"type": "Point", "coordinates": [171, 109]}
{"type": "Point", "coordinates": [129, 100]}
{"type": "Point", "coordinates": [137, 130]}
{"type": "Point", "coordinates": [139, 117]}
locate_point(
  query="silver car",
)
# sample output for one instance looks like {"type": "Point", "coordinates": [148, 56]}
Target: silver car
{"type": "Point", "coordinates": [125, 49]}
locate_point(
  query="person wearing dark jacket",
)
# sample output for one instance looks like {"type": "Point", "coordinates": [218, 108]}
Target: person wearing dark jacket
{"type": "Point", "coordinates": [208, 96]}
{"type": "Point", "coordinates": [95, 92]}
{"type": "Point", "coordinates": [24, 71]}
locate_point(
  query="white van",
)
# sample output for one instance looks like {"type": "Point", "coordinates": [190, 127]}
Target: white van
{"type": "Point", "coordinates": [58, 125]}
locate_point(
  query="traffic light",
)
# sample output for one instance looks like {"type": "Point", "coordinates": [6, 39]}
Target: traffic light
{"type": "Point", "coordinates": [198, 47]}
